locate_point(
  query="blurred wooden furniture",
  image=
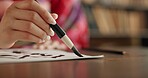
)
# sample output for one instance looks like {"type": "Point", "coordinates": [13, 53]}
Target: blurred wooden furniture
{"type": "Point", "coordinates": [114, 20]}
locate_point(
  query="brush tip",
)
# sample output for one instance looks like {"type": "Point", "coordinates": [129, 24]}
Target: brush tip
{"type": "Point", "coordinates": [75, 50]}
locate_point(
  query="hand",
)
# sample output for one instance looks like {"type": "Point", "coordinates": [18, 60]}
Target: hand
{"type": "Point", "coordinates": [49, 44]}
{"type": "Point", "coordinates": [26, 21]}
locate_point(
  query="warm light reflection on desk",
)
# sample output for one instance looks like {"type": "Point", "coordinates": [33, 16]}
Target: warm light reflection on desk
{"type": "Point", "coordinates": [132, 65]}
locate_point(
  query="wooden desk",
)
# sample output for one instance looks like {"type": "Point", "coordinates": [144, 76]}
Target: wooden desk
{"type": "Point", "coordinates": [132, 65]}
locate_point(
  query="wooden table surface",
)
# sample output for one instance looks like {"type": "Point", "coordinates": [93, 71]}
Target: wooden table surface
{"type": "Point", "coordinates": [132, 65]}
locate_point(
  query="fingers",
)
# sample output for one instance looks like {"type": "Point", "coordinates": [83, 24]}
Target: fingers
{"type": "Point", "coordinates": [24, 36]}
{"type": "Point", "coordinates": [29, 27]}
{"type": "Point", "coordinates": [38, 17]}
{"type": "Point", "coordinates": [27, 21]}
{"type": "Point", "coordinates": [34, 6]}
{"type": "Point", "coordinates": [32, 17]}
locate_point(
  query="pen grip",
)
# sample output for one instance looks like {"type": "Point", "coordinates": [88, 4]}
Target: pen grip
{"type": "Point", "coordinates": [58, 30]}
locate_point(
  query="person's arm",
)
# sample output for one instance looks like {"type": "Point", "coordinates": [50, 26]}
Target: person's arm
{"type": "Point", "coordinates": [26, 21]}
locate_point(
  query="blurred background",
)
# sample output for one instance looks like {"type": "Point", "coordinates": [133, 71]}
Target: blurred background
{"type": "Point", "coordinates": [117, 22]}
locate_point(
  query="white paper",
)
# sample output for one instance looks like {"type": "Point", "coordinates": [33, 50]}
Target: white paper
{"type": "Point", "coordinates": [15, 57]}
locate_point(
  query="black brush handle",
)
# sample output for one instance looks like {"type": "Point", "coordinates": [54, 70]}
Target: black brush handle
{"type": "Point", "coordinates": [58, 30]}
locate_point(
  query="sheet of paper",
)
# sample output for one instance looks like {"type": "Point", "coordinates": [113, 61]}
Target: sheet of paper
{"type": "Point", "coordinates": [32, 55]}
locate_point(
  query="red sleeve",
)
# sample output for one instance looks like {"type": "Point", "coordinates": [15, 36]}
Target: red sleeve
{"type": "Point", "coordinates": [62, 8]}
{"type": "Point", "coordinates": [78, 33]}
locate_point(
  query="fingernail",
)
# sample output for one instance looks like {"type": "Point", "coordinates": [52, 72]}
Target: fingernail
{"type": "Point", "coordinates": [52, 21]}
{"type": "Point", "coordinates": [48, 37]}
{"type": "Point", "coordinates": [51, 32]}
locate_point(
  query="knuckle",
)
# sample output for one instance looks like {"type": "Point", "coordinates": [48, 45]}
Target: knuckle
{"type": "Point", "coordinates": [29, 26]}
{"type": "Point", "coordinates": [45, 13]}
{"type": "Point", "coordinates": [43, 35]}
{"type": "Point", "coordinates": [30, 3]}
{"type": "Point", "coordinates": [33, 15]}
